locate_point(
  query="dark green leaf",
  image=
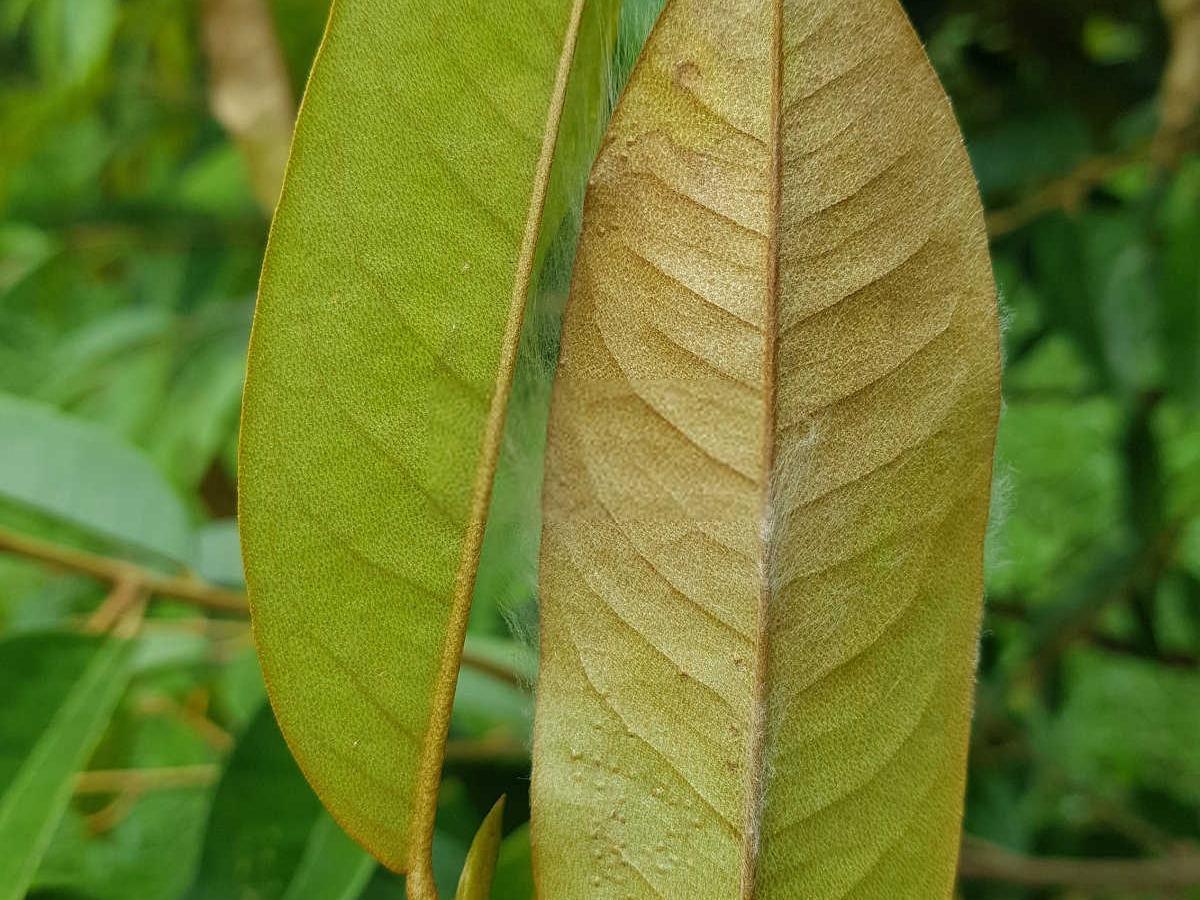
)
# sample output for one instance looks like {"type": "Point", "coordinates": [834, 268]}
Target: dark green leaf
{"type": "Point", "coordinates": [60, 690]}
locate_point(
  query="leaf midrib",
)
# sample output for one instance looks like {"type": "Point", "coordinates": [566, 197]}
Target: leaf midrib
{"type": "Point", "coordinates": [756, 768]}
{"type": "Point", "coordinates": [425, 795]}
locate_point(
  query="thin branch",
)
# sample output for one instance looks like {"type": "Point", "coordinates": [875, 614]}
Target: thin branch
{"type": "Point", "coordinates": [1019, 612]}
{"type": "Point", "coordinates": [1188, 662]}
{"type": "Point", "coordinates": [1179, 98]}
{"type": "Point", "coordinates": [187, 588]}
{"type": "Point", "coordinates": [139, 781]}
{"type": "Point", "coordinates": [121, 600]}
{"type": "Point", "coordinates": [117, 572]}
{"type": "Point", "coordinates": [208, 730]}
{"type": "Point", "coordinates": [489, 749]}
{"type": "Point", "coordinates": [1078, 623]}
{"type": "Point", "coordinates": [112, 814]}
{"type": "Point", "coordinates": [984, 861]}
{"type": "Point", "coordinates": [1066, 193]}
{"type": "Point", "coordinates": [497, 670]}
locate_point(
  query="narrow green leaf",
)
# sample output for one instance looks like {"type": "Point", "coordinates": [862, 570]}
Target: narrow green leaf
{"type": "Point", "coordinates": [60, 691]}
{"type": "Point", "coordinates": [77, 472]}
{"type": "Point", "coordinates": [475, 883]}
{"type": "Point", "coordinates": [200, 411]}
{"type": "Point", "coordinates": [392, 297]}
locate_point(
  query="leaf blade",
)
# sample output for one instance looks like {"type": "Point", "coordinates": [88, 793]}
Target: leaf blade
{"type": "Point", "coordinates": [475, 882]}
{"type": "Point", "coordinates": [77, 472]}
{"type": "Point", "coordinates": [333, 866]}
{"type": "Point", "coordinates": [434, 254]}
{"type": "Point", "coordinates": [37, 771]}
{"type": "Point", "coordinates": [777, 392]}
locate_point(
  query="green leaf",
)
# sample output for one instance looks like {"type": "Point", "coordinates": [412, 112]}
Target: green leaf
{"type": "Point", "coordinates": [768, 473]}
{"type": "Point", "coordinates": [475, 883]}
{"type": "Point", "coordinates": [393, 291]}
{"type": "Point", "coordinates": [200, 412]}
{"type": "Point", "coordinates": [23, 249]}
{"type": "Point", "coordinates": [1150, 746]}
{"type": "Point", "coordinates": [72, 37]}
{"type": "Point", "coordinates": [218, 553]}
{"type": "Point", "coordinates": [262, 821]}
{"type": "Point", "coordinates": [300, 24]}
{"type": "Point", "coordinates": [147, 849]}
{"type": "Point", "coordinates": [1060, 261]}
{"type": "Point", "coordinates": [60, 690]}
{"type": "Point", "coordinates": [80, 474]}
{"type": "Point", "coordinates": [514, 868]}
{"type": "Point", "coordinates": [487, 705]}
{"type": "Point", "coordinates": [1180, 290]}
{"type": "Point", "coordinates": [333, 866]}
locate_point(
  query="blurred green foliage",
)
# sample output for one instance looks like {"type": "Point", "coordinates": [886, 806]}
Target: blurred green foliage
{"type": "Point", "coordinates": [129, 250]}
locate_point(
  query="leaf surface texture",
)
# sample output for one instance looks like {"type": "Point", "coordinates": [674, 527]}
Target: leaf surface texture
{"type": "Point", "coordinates": [768, 472]}
{"type": "Point", "coordinates": [380, 365]}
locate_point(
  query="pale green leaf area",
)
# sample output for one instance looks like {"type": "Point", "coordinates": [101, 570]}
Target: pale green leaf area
{"type": "Point", "coordinates": [59, 693]}
{"type": "Point", "coordinates": [82, 474]}
{"type": "Point", "coordinates": [218, 553]}
{"type": "Point", "coordinates": [203, 403]}
{"type": "Point", "coordinates": [73, 37]}
{"type": "Point", "coordinates": [400, 258]}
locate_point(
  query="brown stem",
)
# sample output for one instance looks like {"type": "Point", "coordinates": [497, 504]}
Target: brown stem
{"type": "Point", "coordinates": [120, 602]}
{"type": "Point", "coordinates": [1066, 193]}
{"type": "Point", "coordinates": [188, 588]}
{"type": "Point", "coordinates": [497, 670]}
{"type": "Point", "coordinates": [119, 781]}
{"type": "Point", "coordinates": [118, 572]}
{"type": "Point", "coordinates": [208, 730]}
{"type": "Point", "coordinates": [984, 861]}
{"type": "Point", "coordinates": [1179, 99]}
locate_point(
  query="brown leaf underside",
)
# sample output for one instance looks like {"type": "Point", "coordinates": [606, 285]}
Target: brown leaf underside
{"type": "Point", "coordinates": [768, 473]}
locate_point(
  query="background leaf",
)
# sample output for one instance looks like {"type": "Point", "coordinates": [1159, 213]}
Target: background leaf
{"type": "Point", "coordinates": [60, 692]}
{"type": "Point", "coordinates": [475, 883]}
{"type": "Point", "coordinates": [263, 823]}
{"type": "Point", "coordinates": [74, 471]}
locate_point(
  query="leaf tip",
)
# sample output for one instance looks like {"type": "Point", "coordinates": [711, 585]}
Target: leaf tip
{"type": "Point", "coordinates": [475, 883]}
